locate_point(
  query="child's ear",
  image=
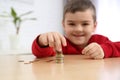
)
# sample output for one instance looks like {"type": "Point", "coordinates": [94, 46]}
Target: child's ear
{"type": "Point", "coordinates": [95, 25]}
{"type": "Point", "coordinates": [63, 23]}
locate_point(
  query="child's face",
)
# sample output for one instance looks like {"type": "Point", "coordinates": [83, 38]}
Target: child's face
{"type": "Point", "coordinates": [79, 27]}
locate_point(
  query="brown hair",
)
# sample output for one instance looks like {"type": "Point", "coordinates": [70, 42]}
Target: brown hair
{"type": "Point", "coordinates": [73, 6]}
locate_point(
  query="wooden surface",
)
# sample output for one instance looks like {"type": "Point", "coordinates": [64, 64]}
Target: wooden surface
{"type": "Point", "coordinates": [75, 67]}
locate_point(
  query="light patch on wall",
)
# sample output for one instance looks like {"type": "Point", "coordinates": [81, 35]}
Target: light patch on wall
{"type": "Point", "coordinates": [29, 2]}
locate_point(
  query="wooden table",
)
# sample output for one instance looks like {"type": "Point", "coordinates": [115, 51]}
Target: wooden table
{"type": "Point", "coordinates": [75, 67]}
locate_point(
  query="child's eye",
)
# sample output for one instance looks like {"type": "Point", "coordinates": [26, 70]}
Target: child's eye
{"type": "Point", "coordinates": [85, 24]}
{"type": "Point", "coordinates": [71, 24]}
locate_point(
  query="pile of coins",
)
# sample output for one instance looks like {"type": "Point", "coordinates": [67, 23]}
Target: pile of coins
{"type": "Point", "coordinates": [59, 57]}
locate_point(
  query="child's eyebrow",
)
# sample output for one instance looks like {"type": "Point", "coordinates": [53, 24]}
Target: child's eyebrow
{"type": "Point", "coordinates": [85, 21]}
{"type": "Point", "coordinates": [70, 21]}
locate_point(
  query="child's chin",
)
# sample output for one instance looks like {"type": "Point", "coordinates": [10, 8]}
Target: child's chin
{"type": "Point", "coordinates": [78, 43]}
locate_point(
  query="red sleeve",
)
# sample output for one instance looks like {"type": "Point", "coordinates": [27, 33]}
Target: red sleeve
{"type": "Point", "coordinates": [111, 49]}
{"type": "Point", "coordinates": [41, 51]}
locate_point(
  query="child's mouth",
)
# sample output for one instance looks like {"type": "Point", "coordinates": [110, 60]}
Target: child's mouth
{"type": "Point", "coordinates": [78, 35]}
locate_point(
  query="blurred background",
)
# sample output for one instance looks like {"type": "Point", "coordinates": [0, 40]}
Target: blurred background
{"type": "Point", "coordinates": [48, 14]}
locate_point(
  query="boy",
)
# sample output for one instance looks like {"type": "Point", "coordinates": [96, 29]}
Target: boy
{"type": "Point", "coordinates": [79, 23]}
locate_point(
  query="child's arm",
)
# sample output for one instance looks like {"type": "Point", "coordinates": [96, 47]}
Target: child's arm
{"type": "Point", "coordinates": [111, 49]}
{"type": "Point", "coordinates": [102, 47]}
{"type": "Point", "coordinates": [44, 45]}
{"type": "Point", "coordinates": [94, 50]}
{"type": "Point", "coordinates": [39, 51]}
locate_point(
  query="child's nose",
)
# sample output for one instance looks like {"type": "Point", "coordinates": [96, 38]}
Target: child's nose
{"type": "Point", "coordinates": [79, 28]}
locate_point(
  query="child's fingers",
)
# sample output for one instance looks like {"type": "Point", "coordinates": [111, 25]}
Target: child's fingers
{"type": "Point", "coordinates": [88, 49]}
{"type": "Point", "coordinates": [98, 57]}
{"type": "Point", "coordinates": [93, 55]}
{"type": "Point", "coordinates": [55, 40]}
{"type": "Point", "coordinates": [50, 39]}
{"type": "Point", "coordinates": [63, 40]}
{"type": "Point", "coordinates": [84, 51]}
{"type": "Point", "coordinates": [43, 40]}
{"type": "Point", "coordinates": [58, 46]}
{"type": "Point", "coordinates": [91, 51]}
{"type": "Point", "coordinates": [58, 42]}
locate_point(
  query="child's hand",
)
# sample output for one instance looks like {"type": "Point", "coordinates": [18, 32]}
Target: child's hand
{"type": "Point", "coordinates": [53, 39]}
{"type": "Point", "coordinates": [94, 50]}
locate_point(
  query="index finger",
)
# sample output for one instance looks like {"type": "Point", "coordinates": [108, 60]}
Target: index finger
{"type": "Point", "coordinates": [63, 40]}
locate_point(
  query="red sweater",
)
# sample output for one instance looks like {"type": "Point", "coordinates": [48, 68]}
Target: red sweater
{"type": "Point", "coordinates": [111, 49]}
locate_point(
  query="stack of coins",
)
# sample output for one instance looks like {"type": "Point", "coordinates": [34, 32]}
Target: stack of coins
{"type": "Point", "coordinates": [59, 57]}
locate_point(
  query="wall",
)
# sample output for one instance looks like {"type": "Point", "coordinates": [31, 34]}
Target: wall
{"type": "Point", "coordinates": [47, 12]}
{"type": "Point", "coordinates": [108, 18]}
{"type": "Point", "coordinates": [49, 16]}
